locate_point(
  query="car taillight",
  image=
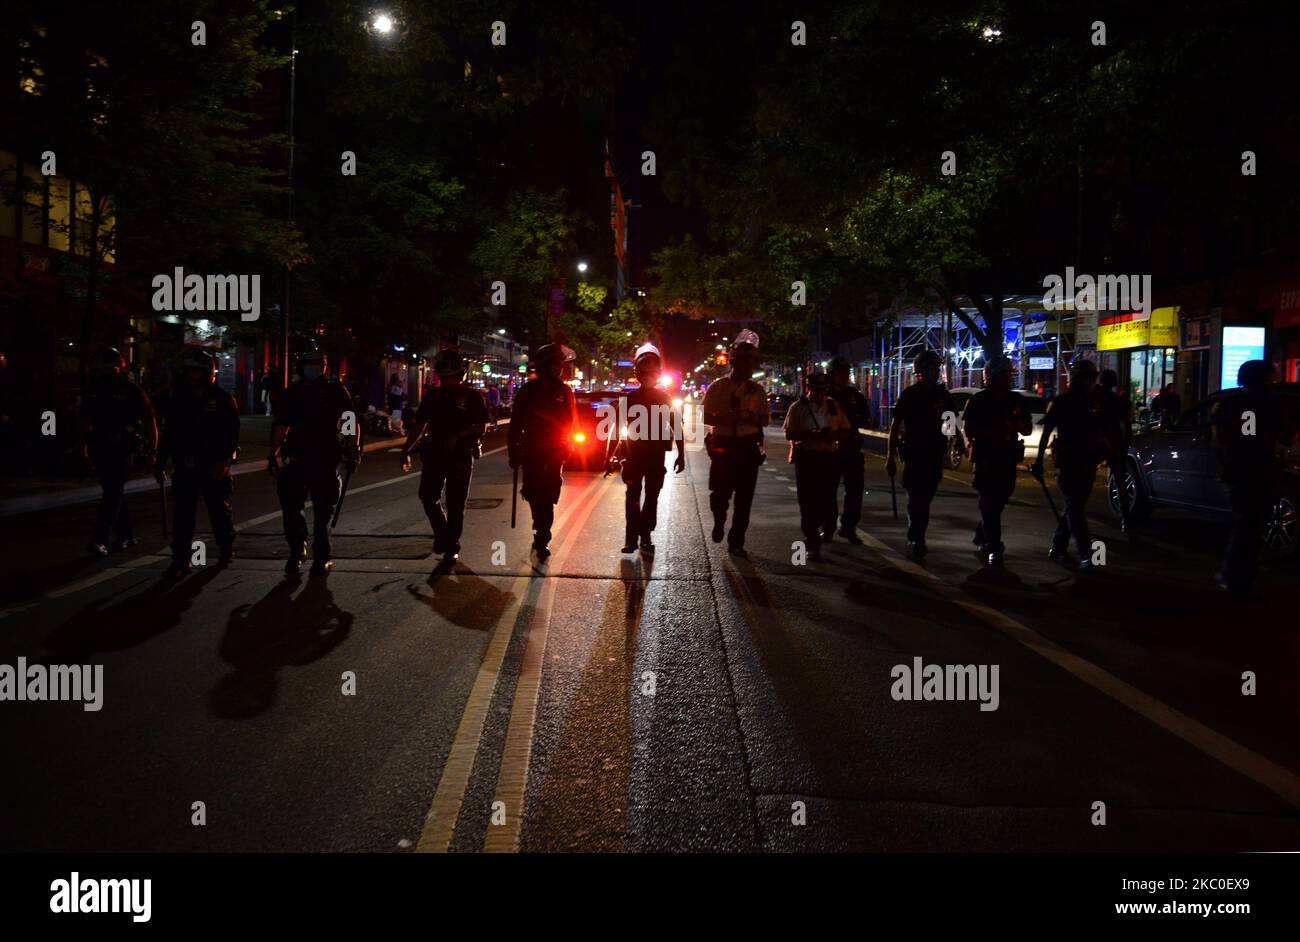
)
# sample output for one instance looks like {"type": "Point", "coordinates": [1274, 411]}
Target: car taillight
{"type": "Point", "coordinates": [579, 437]}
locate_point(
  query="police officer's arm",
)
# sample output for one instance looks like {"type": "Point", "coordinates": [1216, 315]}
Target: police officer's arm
{"type": "Point", "coordinates": [895, 437]}
{"type": "Point", "coordinates": [677, 424]}
{"type": "Point", "coordinates": [148, 423]}
{"type": "Point", "coordinates": [352, 445]}
{"type": "Point", "coordinates": [280, 429]}
{"type": "Point", "coordinates": [795, 428]}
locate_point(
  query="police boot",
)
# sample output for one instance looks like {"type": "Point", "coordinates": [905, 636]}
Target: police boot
{"type": "Point", "coordinates": [177, 570]}
{"type": "Point", "coordinates": [296, 559]}
{"type": "Point", "coordinates": [321, 564]}
{"type": "Point", "coordinates": [629, 543]}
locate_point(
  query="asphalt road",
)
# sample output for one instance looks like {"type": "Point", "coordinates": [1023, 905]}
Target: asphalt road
{"type": "Point", "coordinates": [688, 701]}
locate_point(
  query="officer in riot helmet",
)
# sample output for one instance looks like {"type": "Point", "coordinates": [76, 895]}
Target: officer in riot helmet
{"type": "Point", "coordinates": [736, 412]}
{"type": "Point", "coordinates": [924, 419]}
{"type": "Point", "coordinates": [315, 432]}
{"type": "Point", "coordinates": [200, 437]}
{"type": "Point", "coordinates": [1077, 449]}
{"type": "Point", "coordinates": [541, 424]}
{"type": "Point", "coordinates": [652, 429]}
{"type": "Point", "coordinates": [117, 433]}
{"type": "Point", "coordinates": [994, 420]}
{"type": "Point", "coordinates": [448, 425]}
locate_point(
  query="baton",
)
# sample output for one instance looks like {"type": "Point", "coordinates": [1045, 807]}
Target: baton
{"type": "Point", "coordinates": [893, 496]}
{"type": "Point", "coordinates": [514, 499]}
{"type": "Point", "coordinates": [338, 508]}
{"type": "Point", "coordinates": [162, 499]}
{"type": "Point", "coordinates": [1048, 494]}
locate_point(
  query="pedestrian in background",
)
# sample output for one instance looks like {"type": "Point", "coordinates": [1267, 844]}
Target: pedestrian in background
{"type": "Point", "coordinates": [1077, 449]}
{"type": "Point", "coordinates": [917, 432]}
{"type": "Point", "coordinates": [857, 411]}
{"type": "Point", "coordinates": [994, 420]}
{"type": "Point", "coordinates": [816, 427]}
{"type": "Point", "coordinates": [117, 431]}
{"type": "Point", "coordinates": [735, 412]}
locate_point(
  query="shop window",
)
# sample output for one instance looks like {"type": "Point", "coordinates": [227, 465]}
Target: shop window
{"type": "Point", "coordinates": [60, 223]}
{"type": "Point", "coordinates": [33, 200]}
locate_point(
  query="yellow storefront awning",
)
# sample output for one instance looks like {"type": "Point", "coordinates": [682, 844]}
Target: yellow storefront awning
{"type": "Point", "coordinates": [1136, 329]}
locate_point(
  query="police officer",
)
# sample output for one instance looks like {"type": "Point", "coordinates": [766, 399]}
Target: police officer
{"type": "Point", "coordinates": [315, 429]}
{"type": "Point", "coordinates": [117, 431]}
{"type": "Point", "coordinates": [857, 410]}
{"type": "Point", "coordinates": [1249, 429]}
{"type": "Point", "coordinates": [448, 425]}
{"type": "Point", "coordinates": [736, 412]}
{"type": "Point", "coordinates": [201, 437]}
{"type": "Point", "coordinates": [816, 427]}
{"type": "Point", "coordinates": [1115, 413]}
{"type": "Point", "coordinates": [653, 426]}
{"type": "Point", "coordinates": [919, 432]}
{"type": "Point", "coordinates": [538, 441]}
{"type": "Point", "coordinates": [994, 419]}
{"type": "Point", "coordinates": [1076, 450]}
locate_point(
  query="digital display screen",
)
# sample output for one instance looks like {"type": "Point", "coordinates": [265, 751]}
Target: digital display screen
{"type": "Point", "coordinates": [1239, 345]}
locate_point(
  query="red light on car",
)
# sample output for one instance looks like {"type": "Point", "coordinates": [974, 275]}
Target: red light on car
{"type": "Point", "coordinates": [579, 437]}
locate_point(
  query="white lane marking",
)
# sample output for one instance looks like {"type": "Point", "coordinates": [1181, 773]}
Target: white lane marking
{"type": "Point", "coordinates": [1237, 757]}
{"type": "Point", "coordinates": [516, 757]}
{"type": "Point", "coordinates": [444, 810]}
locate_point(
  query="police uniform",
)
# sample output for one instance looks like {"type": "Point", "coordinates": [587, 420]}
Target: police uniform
{"type": "Point", "coordinates": [312, 451]}
{"type": "Point", "coordinates": [1114, 415]}
{"type": "Point", "coordinates": [817, 465]}
{"type": "Point", "coordinates": [735, 453]}
{"type": "Point", "coordinates": [1076, 449]}
{"type": "Point", "coordinates": [540, 424]}
{"type": "Point", "coordinates": [993, 420]}
{"type": "Point", "coordinates": [1252, 473]}
{"type": "Point", "coordinates": [120, 421]}
{"type": "Point", "coordinates": [857, 410]}
{"type": "Point", "coordinates": [448, 411]}
{"type": "Point", "coordinates": [643, 463]}
{"type": "Point", "coordinates": [920, 409]}
{"type": "Point", "coordinates": [200, 431]}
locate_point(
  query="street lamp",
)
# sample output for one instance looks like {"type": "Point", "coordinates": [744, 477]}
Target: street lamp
{"type": "Point", "coordinates": [582, 266]}
{"type": "Point", "coordinates": [382, 23]}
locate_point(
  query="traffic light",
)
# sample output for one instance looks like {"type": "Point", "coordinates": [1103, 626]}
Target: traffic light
{"type": "Point", "coordinates": [721, 359]}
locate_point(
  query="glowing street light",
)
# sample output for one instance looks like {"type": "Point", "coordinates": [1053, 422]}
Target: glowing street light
{"type": "Point", "coordinates": [382, 23]}
{"type": "Point", "coordinates": [582, 266]}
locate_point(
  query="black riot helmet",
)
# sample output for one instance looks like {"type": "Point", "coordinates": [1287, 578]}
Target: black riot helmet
{"type": "Point", "coordinates": [201, 360]}
{"type": "Point", "coordinates": [926, 361]}
{"type": "Point", "coordinates": [1255, 374]}
{"type": "Point", "coordinates": [107, 360]}
{"type": "Point", "coordinates": [449, 363]}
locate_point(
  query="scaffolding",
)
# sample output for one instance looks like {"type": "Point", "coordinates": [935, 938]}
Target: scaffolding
{"type": "Point", "coordinates": [1031, 336]}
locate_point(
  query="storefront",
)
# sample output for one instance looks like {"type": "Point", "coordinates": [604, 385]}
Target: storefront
{"type": "Point", "coordinates": [1143, 349]}
{"type": "Point", "coordinates": [1284, 345]}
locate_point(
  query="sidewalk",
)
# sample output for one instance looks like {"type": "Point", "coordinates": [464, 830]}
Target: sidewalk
{"type": "Point", "coordinates": [27, 495]}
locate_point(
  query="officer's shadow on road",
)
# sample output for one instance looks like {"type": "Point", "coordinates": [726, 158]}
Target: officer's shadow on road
{"type": "Point", "coordinates": [463, 598]}
{"type": "Point", "coordinates": [276, 632]}
{"type": "Point", "coordinates": [124, 621]}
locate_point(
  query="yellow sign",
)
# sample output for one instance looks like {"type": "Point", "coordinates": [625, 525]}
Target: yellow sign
{"type": "Point", "coordinates": [1160, 329]}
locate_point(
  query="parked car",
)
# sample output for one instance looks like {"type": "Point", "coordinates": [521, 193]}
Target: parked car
{"type": "Point", "coordinates": [779, 404]}
{"type": "Point", "coordinates": [1037, 411]}
{"type": "Point", "coordinates": [1179, 467]}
